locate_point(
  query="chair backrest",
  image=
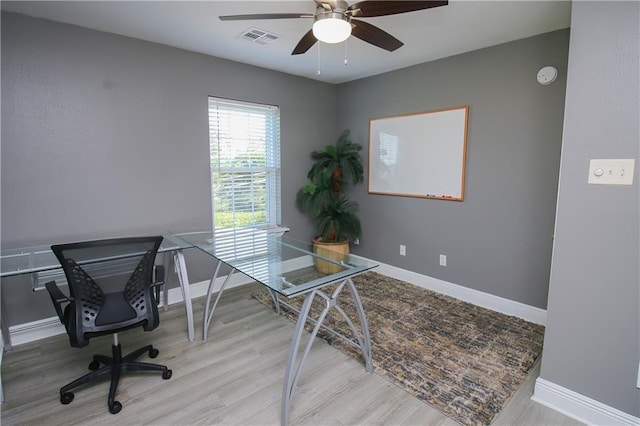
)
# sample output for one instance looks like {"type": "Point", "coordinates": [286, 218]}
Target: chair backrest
{"type": "Point", "coordinates": [109, 284]}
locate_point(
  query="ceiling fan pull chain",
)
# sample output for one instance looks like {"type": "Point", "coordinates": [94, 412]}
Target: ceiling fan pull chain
{"type": "Point", "coordinates": [346, 52]}
{"type": "Point", "coordinates": [318, 69]}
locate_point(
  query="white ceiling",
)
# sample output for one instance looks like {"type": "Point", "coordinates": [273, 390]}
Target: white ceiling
{"type": "Point", "coordinates": [460, 27]}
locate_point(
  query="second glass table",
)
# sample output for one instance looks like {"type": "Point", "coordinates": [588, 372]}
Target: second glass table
{"type": "Point", "coordinates": [287, 268]}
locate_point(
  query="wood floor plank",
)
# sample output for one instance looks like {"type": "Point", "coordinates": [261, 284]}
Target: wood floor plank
{"type": "Point", "coordinates": [235, 378]}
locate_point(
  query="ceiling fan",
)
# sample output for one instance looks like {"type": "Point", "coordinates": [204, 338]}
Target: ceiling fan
{"type": "Point", "coordinates": [333, 21]}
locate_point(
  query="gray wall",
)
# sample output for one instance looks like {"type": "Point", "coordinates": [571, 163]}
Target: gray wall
{"type": "Point", "coordinates": [592, 341]}
{"type": "Point", "coordinates": [104, 136]}
{"type": "Point", "coordinates": [93, 122]}
{"type": "Point", "coordinates": [499, 239]}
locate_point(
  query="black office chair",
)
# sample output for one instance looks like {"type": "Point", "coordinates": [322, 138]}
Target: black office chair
{"type": "Point", "coordinates": [110, 290]}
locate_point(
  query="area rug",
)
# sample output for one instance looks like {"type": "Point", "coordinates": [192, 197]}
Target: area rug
{"type": "Point", "coordinates": [461, 359]}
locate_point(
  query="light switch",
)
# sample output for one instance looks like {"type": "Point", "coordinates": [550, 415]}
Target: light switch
{"type": "Point", "coordinates": [611, 171]}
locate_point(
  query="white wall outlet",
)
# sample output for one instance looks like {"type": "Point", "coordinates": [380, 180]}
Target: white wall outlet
{"type": "Point", "coordinates": [443, 260]}
{"type": "Point", "coordinates": [403, 250]}
{"type": "Point", "coordinates": [356, 241]}
{"type": "Point", "coordinates": [611, 171]}
{"type": "Point", "coordinates": [638, 379]}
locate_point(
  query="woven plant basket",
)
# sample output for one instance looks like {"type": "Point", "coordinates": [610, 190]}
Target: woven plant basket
{"type": "Point", "coordinates": [335, 251]}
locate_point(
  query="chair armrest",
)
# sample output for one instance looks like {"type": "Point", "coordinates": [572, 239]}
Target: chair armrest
{"type": "Point", "coordinates": [158, 281]}
{"type": "Point", "coordinates": [58, 298]}
{"type": "Point", "coordinates": [158, 278]}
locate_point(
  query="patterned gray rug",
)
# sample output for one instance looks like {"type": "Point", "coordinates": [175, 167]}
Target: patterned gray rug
{"type": "Point", "coordinates": [463, 360]}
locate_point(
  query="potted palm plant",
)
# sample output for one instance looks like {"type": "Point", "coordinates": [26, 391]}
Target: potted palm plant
{"type": "Point", "coordinates": [324, 199]}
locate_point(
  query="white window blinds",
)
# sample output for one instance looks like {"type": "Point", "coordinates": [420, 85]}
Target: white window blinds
{"type": "Point", "coordinates": [244, 142]}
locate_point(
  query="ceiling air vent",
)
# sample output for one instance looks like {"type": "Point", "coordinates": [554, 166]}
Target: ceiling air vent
{"type": "Point", "coordinates": [259, 36]}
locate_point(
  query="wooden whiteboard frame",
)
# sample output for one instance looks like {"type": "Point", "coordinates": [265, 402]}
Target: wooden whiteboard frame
{"type": "Point", "coordinates": [419, 155]}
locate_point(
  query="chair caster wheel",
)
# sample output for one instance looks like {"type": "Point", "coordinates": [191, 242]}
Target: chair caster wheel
{"type": "Point", "coordinates": [115, 407]}
{"type": "Point", "coordinates": [94, 365]}
{"type": "Point", "coordinates": [167, 374]}
{"type": "Point", "coordinates": [66, 398]}
{"type": "Point", "coordinates": [153, 353]}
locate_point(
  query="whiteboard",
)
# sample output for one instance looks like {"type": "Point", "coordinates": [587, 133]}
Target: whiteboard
{"type": "Point", "coordinates": [420, 154]}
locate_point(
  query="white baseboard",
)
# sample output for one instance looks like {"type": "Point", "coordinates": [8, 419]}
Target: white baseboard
{"type": "Point", "coordinates": [199, 289]}
{"type": "Point", "coordinates": [579, 407]}
{"type": "Point", "coordinates": [478, 298]}
{"type": "Point", "coordinates": [32, 331]}
{"type": "Point", "coordinates": [47, 327]}
{"type": "Point", "coordinates": [35, 330]}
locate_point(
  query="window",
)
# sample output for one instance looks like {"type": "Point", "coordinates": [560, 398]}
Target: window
{"type": "Point", "coordinates": [244, 145]}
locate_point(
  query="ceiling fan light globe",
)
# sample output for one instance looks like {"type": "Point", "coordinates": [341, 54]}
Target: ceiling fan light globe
{"type": "Point", "coordinates": [331, 28]}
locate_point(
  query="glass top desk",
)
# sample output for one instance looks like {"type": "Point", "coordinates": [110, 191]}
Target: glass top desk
{"type": "Point", "coordinates": [42, 265]}
{"type": "Point", "coordinates": [286, 268]}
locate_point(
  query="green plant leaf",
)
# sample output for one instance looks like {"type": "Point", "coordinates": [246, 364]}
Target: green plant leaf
{"type": "Point", "coordinates": [323, 196]}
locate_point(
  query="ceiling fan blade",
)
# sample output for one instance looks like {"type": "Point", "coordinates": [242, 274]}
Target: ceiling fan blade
{"type": "Point", "coordinates": [265, 16]}
{"type": "Point", "coordinates": [371, 8]}
{"type": "Point", "coordinates": [374, 35]}
{"type": "Point", "coordinates": [305, 43]}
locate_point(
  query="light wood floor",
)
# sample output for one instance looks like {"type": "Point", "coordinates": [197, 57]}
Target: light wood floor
{"type": "Point", "coordinates": [235, 378]}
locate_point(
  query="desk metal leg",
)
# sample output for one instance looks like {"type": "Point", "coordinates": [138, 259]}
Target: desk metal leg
{"type": "Point", "coordinates": [208, 315]}
{"type": "Point", "coordinates": [166, 261]}
{"type": "Point", "coordinates": [6, 344]}
{"type": "Point", "coordinates": [276, 301]}
{"type": "Point", "coordinates": [366, 337]}
{"type": "Point", "coordinates": [181, 271]}
{"type": "Point", "coordinates": [294, 367]}
{"type": "Point", "coordinates": [6, 337]}
{"type": "Point", "coordinates": [289, 380]}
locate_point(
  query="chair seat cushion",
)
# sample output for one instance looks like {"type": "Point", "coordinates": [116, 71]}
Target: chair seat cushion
{"type": "Point", "coordinates": [115, 310]}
